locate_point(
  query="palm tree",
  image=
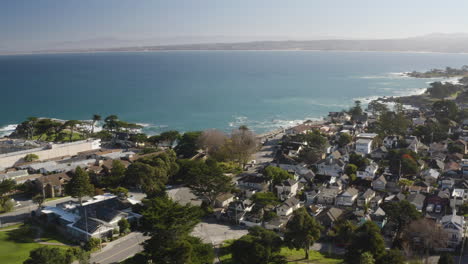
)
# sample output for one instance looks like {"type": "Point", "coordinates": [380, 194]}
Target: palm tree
{"type": "Point", "coordinates": [31, 123]}
{"type": "Point", "coordinates": [96, 118]}
{"type": "Point", "coordinates": [71, 124]}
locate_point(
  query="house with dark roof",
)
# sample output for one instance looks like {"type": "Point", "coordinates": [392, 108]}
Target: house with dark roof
{"type": "Point", "coordinates": [329, 216]}
{"type": "Point", "coordinates": [253, 181]}
{"type": "Point", "coordinates": [95, 218]}
{"type": "Point", "coordinates": [52, 185]}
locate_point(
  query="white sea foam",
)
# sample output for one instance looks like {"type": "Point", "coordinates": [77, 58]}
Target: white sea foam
{"type": "Point", "coordinates": [7, 130]}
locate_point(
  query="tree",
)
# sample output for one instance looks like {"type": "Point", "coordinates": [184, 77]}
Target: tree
{"type": "Point", "coordinates": [263, 199]}
{"type": "Point", "coordinates": [241, 146]}
{"type": "Point", "coordinates": [377, 108]}
{"type": "Point", "coordinates": [401, 213]}
{"type": "Point", "coordinates": [356, 110]}
{"type": "Point", "coordinates": [96, 118]}
{"type": "Point", "coordinates": [393, 256]}
{"type": "Point", "coordinates": [445, 110]}
{"type": "Point", "coordinates": [71, 125]}
{"type": "Point", "coordinates": [366, 258]}
{"type": "Point", "coordinates": [79, 185]}
{"type": "Point", "coordinates": [302, 231]}
{"type": "Point", "coordinates": [117, 174]}
{"type": "Point", "coordinates": [445, 258]}
{"type": "Point", "coordinates": [187, 146]}
{"type": "Point", "coordinates": [39, 200]}
{"type": "Point", "coordinates": [430, 235]}
{"type": "Point", "coordinates": [30, 157]}
{"type": "Point", "coordinates": [403, 161]}
{"type": "Point", "coordinates": [366, 238]}
{"type": "Point", "coordinates": [124, 225]}
{"type": "Point", "coordinates": [260, 246]}
{"type": "Point", "coordinates": [111, 123]}
{"type": "Point", "coordinates": [208, 180]}
{"type": "Point", "coordinates": [144, 176]}
{"type": "Point", "coordinates": [6, 186]}
{"type": "Point", "coordinates": [212, 141]}
{"type": "Point", "coordinates": [120, 191]}
{"type": "Point", "coordinates": [47, 255]}
{"type": "Point", "coordinates": [344, 139]}
{"type": "Point", "coordinates": [342, 232]}
{"type": "Point", "coordinates": [351, 169]}
{"type": "Point", "coordinates": [169, 225]}
{"type": "Point", "coordinates": [277, 175]}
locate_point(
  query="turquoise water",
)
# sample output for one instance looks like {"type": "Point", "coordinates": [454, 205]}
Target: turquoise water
{"type": "Point", "coordinates": [187, 90]}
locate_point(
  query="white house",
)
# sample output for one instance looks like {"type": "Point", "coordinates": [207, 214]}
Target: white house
{"type": "Point", "coordinates": [331, 167]}
{"type": "Point", "coordinates": [453, 224]}
{"type": "Point", "coordinates": [287, 189]}
{"type": "Point", "coordinates": [430, 176]}
{"type": "Point", "coordinates": [364, 146]}
{"type": "Point", "coordinates": [391, 142]}
{"type": "Point", "coordinates": [288, 207]}
{"type": "Point", "coordinates": [348, 197]}
{"type": "Point", "coordinates": [368, 173]}
{"type": "Point", "coordinates": [366, 197]}
{"type": "Point", "coordinates": [327, 196]}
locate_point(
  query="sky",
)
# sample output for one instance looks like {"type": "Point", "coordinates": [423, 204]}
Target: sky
{"type": "Point", "coordinates": [42, 24]}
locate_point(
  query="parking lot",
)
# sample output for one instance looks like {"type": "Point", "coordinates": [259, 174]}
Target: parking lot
{"type": "Point", "coordinates": [217, 233]}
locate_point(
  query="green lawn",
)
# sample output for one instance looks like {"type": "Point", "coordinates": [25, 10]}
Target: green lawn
{"type": "Point", "coordinates": [293, 256]}
{"type": "Point", "coordinates": [297, 256]}
{"type": "Point", "coordinates": [16, 244]}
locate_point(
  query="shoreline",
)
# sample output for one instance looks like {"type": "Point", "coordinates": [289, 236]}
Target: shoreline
{"type": "Point", "coordinates": [220, 50]}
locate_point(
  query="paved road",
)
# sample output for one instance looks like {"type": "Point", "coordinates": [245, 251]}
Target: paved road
{"type": "Point", "coordinates": [119, 250]}
{"type": "Point", "coordinates": [265, 155]}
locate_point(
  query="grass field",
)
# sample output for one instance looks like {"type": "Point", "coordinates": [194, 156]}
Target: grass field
{"type": "Point", "coordinates": [293, 256]}
{"type": "Point", "coordinates": [16, 244]}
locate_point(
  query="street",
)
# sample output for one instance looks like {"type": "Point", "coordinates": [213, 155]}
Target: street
{"type": "Point", "coordinates": [119, 250]}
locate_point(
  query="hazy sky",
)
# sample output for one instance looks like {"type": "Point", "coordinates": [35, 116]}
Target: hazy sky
{"type": "Point", "coordinates": [35, 24]}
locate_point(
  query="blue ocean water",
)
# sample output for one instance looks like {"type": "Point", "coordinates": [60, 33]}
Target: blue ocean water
{"type": "Point", "coordinates": [193, 90]}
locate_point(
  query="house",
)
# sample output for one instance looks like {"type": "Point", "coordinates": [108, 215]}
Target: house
{"type": "Point", "coordinates": [379, 153]}
{"type": "Point", "coordinates": [327, 196]}
{"type": "Point", "coordinates": [224, 200]}
{"type": "Point", "coordinates": [417, 200]}
{"type": "Point", "coordinates": [329, 216]}
{"type": "Point", "coordinates": [52, 185]}
{"type": "Point", "coordinates": [375, 202]}
{"type": "Point", "coordinates": [253, 181]}
{"type": "Point", "coordinates": [379, 217]}
{"type": "Point", "coordinates": [391, 142]}
{"type": "Point", "coordinates": [364, 146]}
{"type": "Point", "coordinates": [348, 197]}
{"type": "Point", "coordinates": [368, 173]}
{"type": "Point", "coordinates": [98, 217]}
{"type": "Point", "coordinates": [379, 184]}
{"type": "Point", "coordinates": [13, 175]}
{"type": "Point", "coordinates": [293, 148]}
{"type": "Point", "coordinates": [237, 209]}
{"type": "Point", "coordinates": [331, 167]}
{"type": "Point", "coordinates": [454, 226]}
{"type": "Point", "coordinates": [311, 196]}
{"type": "Point", "coordinates": [430, 176]}
{"type": "Point", "coordinates": [338, 117]}
{"type": "Point", "coordinates": [459, 197]}
{"type": "Point", "coordinates": [288, 206]}
{"type": "Point", "coordinates": [287, 189]}
{"type": "Point", "coordinates": [464, 167]}
{"type": "Point", "coordinates": [365, 198]}
{"type": "Point", "coordinates": [299, 129]}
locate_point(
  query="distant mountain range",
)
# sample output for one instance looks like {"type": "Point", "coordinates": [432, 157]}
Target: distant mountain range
{"type": "Point", "coordinates": [437, 42]}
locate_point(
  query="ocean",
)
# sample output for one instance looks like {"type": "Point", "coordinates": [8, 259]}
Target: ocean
{"type": "Point", "coordinates": [196, 90]}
